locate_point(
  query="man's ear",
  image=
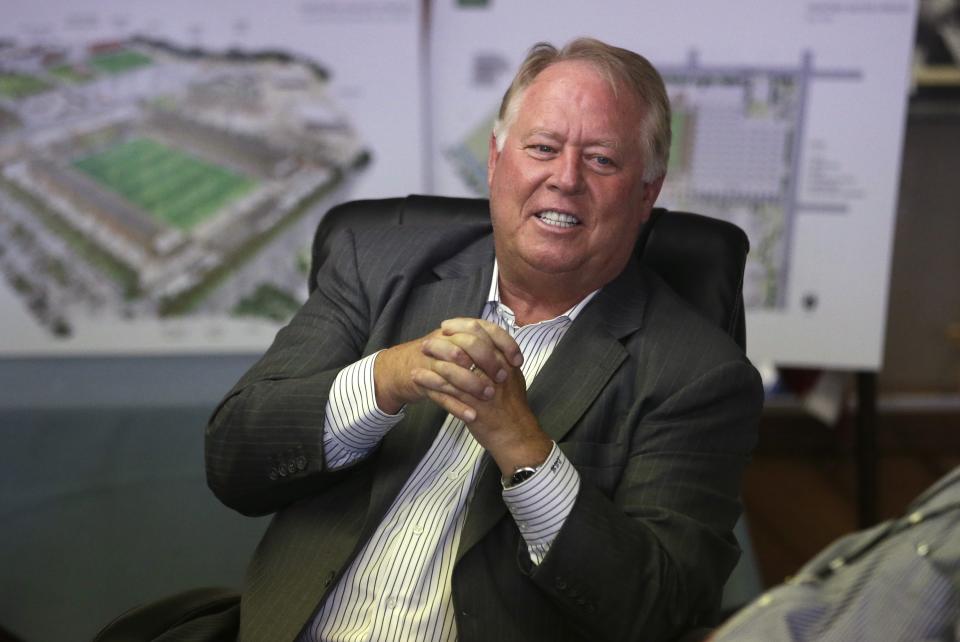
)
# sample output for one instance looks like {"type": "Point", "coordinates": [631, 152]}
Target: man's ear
{"type": "Point", "coordinates": [651, 190]}
{"type": "Point", "coordinates": [492, 156]}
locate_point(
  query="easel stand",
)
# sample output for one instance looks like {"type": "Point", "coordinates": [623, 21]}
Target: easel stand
{"type": "Point", "coordinates": [865, 451]}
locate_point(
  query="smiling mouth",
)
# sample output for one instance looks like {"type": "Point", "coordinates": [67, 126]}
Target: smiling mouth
{"type": "Point", "coordinates": [558, 219]}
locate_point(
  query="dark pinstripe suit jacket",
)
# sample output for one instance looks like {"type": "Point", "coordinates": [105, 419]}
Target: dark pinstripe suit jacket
{"type": "Point", "coordinates": [655, 407]}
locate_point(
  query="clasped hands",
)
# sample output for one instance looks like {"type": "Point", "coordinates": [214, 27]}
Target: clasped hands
{"type": "Point", "coordinates": [471, 369]}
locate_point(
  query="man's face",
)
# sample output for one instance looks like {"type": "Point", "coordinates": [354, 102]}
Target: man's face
{"type": "Point", "coordinates": [567, 194]}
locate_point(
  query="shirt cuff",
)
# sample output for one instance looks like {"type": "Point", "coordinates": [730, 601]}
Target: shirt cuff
{"type": "Point", "coordinates": [354, 424]}
{"type": "Point", "coordinates": [540, 504]}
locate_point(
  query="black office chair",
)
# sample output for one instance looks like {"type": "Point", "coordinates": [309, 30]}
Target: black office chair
{"type": "Point", "coordinates": [701, 258]}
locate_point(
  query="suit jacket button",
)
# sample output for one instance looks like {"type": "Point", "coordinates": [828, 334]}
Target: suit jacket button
{"type": "Point", "coordinates": [560, 583]}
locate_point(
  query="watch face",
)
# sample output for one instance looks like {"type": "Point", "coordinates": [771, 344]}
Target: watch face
{"type": "Point", "coordinates": [521, 475]}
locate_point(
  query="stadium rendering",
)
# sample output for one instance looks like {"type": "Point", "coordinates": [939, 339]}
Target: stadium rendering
{"type": "Point", "coordinates": [141, 180]}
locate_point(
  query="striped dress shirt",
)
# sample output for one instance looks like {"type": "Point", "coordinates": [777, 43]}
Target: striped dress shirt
{"type": "Point", "coordinates": [398, 587]}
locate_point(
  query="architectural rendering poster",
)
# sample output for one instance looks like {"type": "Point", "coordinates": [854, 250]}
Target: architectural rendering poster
{"type": "Point", "coordinates": [163, 165]}
{"type": "Point", "coordinates": [788, 120]}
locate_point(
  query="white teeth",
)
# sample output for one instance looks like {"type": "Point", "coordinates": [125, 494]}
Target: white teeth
{"type": "Point", "coordinates": [559, 219]}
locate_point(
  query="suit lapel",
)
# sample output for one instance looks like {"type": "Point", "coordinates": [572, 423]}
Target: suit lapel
{"type": "Point", "coordinates": [589, 354]}
{"type": "Point", "coordinates": [581, 365]}
{"type": "Point", "coordinates": [461, 290]}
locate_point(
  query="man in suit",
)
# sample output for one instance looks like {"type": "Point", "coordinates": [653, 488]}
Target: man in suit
{"type": "Point", "coordinates": [521, 435]}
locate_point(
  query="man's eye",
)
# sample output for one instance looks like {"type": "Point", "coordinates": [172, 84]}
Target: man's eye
{"type": "Point", "coordinates": [603, 160]}
{"type": "Point", "coordinates": [544, 149]}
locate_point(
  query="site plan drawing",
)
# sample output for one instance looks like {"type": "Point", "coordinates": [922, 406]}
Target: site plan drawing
{"type": "Point", "coordinates": [735, 154]}
{"type": "Point", "coordinates": [788, 120]}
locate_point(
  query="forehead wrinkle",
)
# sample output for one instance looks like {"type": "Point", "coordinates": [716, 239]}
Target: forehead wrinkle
{"type": "Point", "coordinates": [545, 129]}
{"type": "Point", "coordinates": [540, 131]}
{"type": "Point", "coordinates": [612, 143]}
{"type": "Point", "coordinates": [604, 142]}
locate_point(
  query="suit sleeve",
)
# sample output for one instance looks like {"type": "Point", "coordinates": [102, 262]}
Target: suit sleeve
{"type": "Point", "coordinates": [661, 547]}
{"type": "Point", "coordinates": [264, 442]}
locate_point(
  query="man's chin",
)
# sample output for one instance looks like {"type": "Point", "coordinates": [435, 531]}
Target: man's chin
{"type": "Point", "coordinates": [554, 264]}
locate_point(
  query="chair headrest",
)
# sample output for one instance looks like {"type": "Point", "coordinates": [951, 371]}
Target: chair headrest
{"type": "Point", "coordinates": [701, 258]}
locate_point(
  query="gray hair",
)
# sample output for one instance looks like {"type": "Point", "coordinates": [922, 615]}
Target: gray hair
{"type": "Point", "coordinates": [621, 67]}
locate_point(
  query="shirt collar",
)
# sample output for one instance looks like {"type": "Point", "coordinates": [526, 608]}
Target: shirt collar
{"type": "Point", "coordinates": [494, 297]}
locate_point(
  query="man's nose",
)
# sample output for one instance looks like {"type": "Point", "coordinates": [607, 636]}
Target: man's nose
{"type": "Point", "coordinates": [567, 174]}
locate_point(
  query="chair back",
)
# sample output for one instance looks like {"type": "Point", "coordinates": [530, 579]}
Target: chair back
{"type": "Point", "coordinates": [700, 258]}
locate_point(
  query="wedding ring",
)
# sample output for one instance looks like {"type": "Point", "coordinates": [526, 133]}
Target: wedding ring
{"type": "Point", "coordinates": [473, 367]}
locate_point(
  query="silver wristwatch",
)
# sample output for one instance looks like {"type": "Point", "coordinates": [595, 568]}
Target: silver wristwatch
{"type": "Point", "coordinates": [520, 475]}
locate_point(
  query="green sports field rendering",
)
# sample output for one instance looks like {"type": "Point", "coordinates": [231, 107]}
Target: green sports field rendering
{"type": "Point", "coordinates": [71, 73]}
{"type": "Point", "coordinates": [20, 85]}
{"type": "Point", "coordinates": [172, 186]}
{"type": "Point", "coordinates": [115, 62]}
